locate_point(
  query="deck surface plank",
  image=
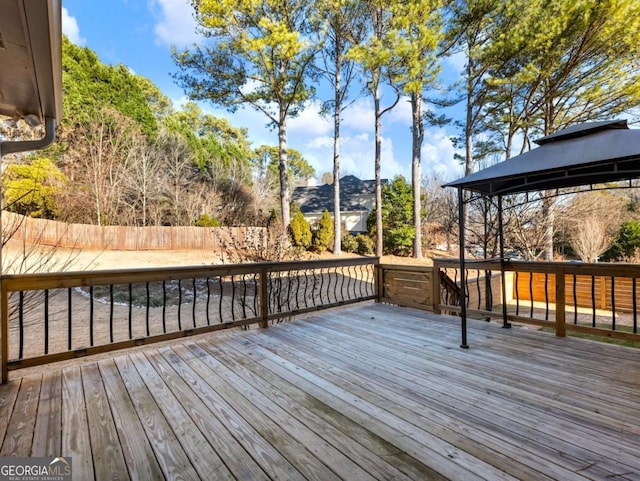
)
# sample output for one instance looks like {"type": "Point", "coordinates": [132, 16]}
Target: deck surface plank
{"type": "Point", "coordinates": [19, 434]}
{"type": "Point", "coordinates": [76, 441]}
{"type": "Point", "coordinates": [421, 400]}
{"type": "Point", "coordinates": [108, 458]}
{"type": "Point", "coordinates": [47, 440]}
{"type": "Point", "coordinates": [370, 391]}
{"type": "Point", "coordinates": [136, 448]}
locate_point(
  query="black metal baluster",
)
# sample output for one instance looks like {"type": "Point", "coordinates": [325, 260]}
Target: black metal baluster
{"type": "Point", "coordinates": [69, 319]}
{"type": "Point", "coordinates": [208, 301]}
{"type": "Point", "coordinates": [635, 305]}
{"type": "Point", "coordinates": [342, 276]}
{"type": "Point", "coordinates": [546, 296]}
{"type": "Point", "coordinates": [220, 300]}
{"type": "Point", "coordinates": [21, 325]}
{"type": "Point", "coordinates": [130, 311]}
{"type": "Point", "coordinates": [489, 291]}
{"type": "Point", "coordinates": [478, 288]}
{"type": "Point", "coordinates": [279, 293]}
{"type": "Point", "coordinates": [180, 304]}
{"type": "Point", "coordinates": [575, 299]}
{"type": "Point", "coordinates": [289, 291]}
{"type": "Point", "coordinates": [517, 294]}
{"type": "Point", "coordinates": [335, 284]}
{"type": "Point", "coordinates": [46, 321]}
{"type": "Point", "coordinates": [313, 289]}
{"type": "Point", "coordinates": [531, 293]}
{"type": "Point", "coordinates": [361, 286]}
{"type": "Point", "coordinates": [593, 301]}
{"type": "Point", "coordinates": [195, 295]}
{"type": "Point", "coordinates": [467, 290]}
{"type": "Point", "coordinates": [255, 294]}
{"type": "Point", "coordinates": [111, 313]}
{"type": "Point", "coordinates": [297, 290]}
{"type": "Point", "coordinates": [91, 315]}
{"type": "Point", "coordinates": [348, 282]}
{"type": "Point", "coordinates": [244, 296]}
{"type": "Point", "coordinates": [164, 307]}
{"type": "Point", "coordinates": [613, 303]}
{"type": "Point", "coordinates": [321, 286]}
{"type": "Point", "coordinates": [148, 307]}
{"type": "Point", "coordinates": [233, 298]}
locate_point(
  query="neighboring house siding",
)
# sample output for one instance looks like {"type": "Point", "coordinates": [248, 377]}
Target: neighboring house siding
{"type": "Point", "coordinates": [357, 199]}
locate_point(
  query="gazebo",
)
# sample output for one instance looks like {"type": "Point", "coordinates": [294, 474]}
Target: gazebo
{"type": "Point", "coordinates": [583, 155]}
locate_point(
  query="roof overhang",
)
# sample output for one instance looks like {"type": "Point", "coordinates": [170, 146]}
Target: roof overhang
{"type": "Point", "coordinates": [585, 154]}
{"type": "Point", "coordinates": [30, 59]}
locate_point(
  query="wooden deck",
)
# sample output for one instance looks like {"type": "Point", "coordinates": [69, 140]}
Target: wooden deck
{"type": "Point", "coordinates": [365, 392]}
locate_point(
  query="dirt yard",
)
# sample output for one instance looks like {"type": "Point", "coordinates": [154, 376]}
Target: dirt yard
{"type": "Point", "coordinates": [36, 259]}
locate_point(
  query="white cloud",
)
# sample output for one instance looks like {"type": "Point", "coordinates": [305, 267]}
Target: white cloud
{"type": "Point", "coordinates": [71, 29]}
{"type": "Point", "coordinates": [401, 113]}
{"type": "Point", "coordinates": [175, 25]}
{"type": "Point", "coordinates": [309, 122]}
{"type": "Point", "coordinates": [457, 62]}
{"type": "Point", "coordinates": [438, 155]}
{"type": "Point", "coordinates": [359, 116]}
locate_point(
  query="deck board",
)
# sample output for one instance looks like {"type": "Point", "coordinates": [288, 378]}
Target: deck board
{"type": "Point", "coordinates": [359, 393]}
{"type": "Point", "coordinates": [47, 439]}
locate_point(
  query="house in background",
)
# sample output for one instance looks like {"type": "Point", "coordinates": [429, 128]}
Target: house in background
{"type": "Point", "coordinates": [357, 199]}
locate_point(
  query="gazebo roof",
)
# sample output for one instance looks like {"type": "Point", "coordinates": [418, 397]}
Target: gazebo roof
{"type": "Point", "coordinates": [584, 154]}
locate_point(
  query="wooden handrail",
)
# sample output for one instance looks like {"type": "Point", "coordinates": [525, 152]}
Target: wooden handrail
{"type": "Point", "coordinates": [271, 288]}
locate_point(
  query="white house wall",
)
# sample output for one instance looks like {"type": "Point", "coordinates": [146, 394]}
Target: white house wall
{"type": "Point", "coordinates": [352, 222]}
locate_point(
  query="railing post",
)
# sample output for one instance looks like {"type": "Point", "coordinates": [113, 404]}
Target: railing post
{"type": "Point", "coordinates": [435, 288]}
{"type": "Point", "coordinates": [4, 331]}
{"type": "Point", "coordinates": [379, 281]}
{"type": "Point", "coordinates": [264, 298]}
{"type": "Point", "coordinates": [560, 303]}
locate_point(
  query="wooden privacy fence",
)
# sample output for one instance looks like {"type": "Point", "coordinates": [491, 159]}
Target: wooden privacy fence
{"type": "Point", "coordinates": [95, 237]}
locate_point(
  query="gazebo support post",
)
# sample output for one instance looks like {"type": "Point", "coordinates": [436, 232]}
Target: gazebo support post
{"type": "Point", "coordinates": [463, 291]}
{"type": "Point", "coordinates": [503, 281]}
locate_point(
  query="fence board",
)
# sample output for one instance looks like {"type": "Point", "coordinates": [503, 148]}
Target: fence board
{"type": "Point", "coordinates": [83, 236]}
{"type": "Point", "coordinates": [584, 295]}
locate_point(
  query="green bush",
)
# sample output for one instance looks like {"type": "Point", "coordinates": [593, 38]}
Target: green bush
{"type": "Point", "coordinates": [626, 244]}
{"type": "Point", "coordinates": [300, 231]}
{"type": "Point", "coordinates": [349, 243]}
{"type": "Point", "coordinates": [324, 233]}
{"type": "Point", "coordinates": [206, 221]}
{"type": "Point", "coordinates": [399, 241]}
{"type": "Point", "coordinates": [33, 189]}
{"type": "Point", "coordinates": [365, 244]}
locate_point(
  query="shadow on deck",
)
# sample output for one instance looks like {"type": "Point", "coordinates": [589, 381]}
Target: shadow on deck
{"type": "Point", "coordinates": [366, 392]}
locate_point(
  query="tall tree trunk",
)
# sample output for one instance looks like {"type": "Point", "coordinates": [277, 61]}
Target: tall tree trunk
{"type": "Point", "coordinates": [548, 203]}
{"type": "Point", "coordinates": [417, 138]}
{"type": "Point", "coordinates": [378, 180]}
{"type": "Point", "coordinates": [285, 195]}
{"type": "Point", "coordinates": [337, 221]}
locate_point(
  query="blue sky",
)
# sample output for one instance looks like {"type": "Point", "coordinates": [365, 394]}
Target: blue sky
{"type": "Point", "coordinates": [140, 33]}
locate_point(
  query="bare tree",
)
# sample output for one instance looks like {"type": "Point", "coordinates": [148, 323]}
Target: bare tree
{"type": "Point", "coordinates": [98, 159]}
{"type": "Point", "coordinates": [440, 206]}
{"type": "Point", "coordinates": [593, 219]}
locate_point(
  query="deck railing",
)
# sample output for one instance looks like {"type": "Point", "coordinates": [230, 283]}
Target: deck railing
{"type": "Point", "coordinates": [599, 299]}
{"type": "Point", "coordinates": [58, 316]}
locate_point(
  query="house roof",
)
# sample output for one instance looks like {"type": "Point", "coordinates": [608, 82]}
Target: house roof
{"type": "Point", "coordinates": [353, 192]}
{"type": "Point", "coordinates": [31, 67]}
{"type": "Point", "coordinates": [584, 154]}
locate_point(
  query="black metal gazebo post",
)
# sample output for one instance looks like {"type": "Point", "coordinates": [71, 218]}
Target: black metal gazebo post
{"type": "Point", "coordinates": [463, 291]}
{"type": "Point", "coordinates": [503, 281]}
